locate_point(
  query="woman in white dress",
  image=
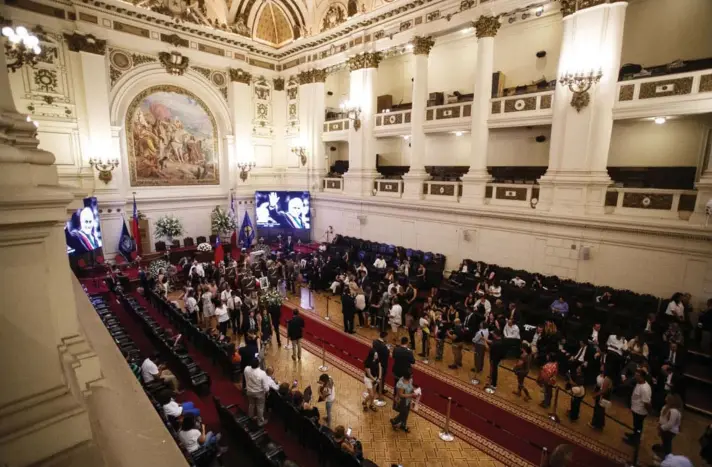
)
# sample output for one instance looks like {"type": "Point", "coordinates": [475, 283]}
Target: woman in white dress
{"type": "Point", "coordinates": [208, 308]}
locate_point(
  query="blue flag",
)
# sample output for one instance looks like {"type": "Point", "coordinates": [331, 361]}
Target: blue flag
{"type": "Point", "coordinates": [126, 243]}
{"type": "Point", "coordinates": [247, 233]}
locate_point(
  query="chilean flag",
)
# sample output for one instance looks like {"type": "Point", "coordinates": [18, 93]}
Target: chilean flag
{"type": "Point", "coordinates": [135, 229]}
{"type": "Point", "coordinates": [219, 253]}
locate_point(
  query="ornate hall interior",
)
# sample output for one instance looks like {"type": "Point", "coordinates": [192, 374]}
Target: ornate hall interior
{"type": "Point", "coordinates": [540, 154]}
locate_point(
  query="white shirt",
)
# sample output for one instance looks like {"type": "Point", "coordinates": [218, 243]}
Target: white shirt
{"type": "Point", "coordinates": [616, 345]}
{"type": "Point", "coordinates": [199, 270]}
{"type": "Point", "coordinates": [671, 460]}
{"type": "Point", "coordinates": [594, 336]}
{"type": "Point", "coordinates": [670, 421]}
{"type": "Point", "coordinates": [495, 291]}
{"type": "Point", "coordinates": [396, 314]}
{"type": "Point", "coordinates": [360, 302]}
{"type": "Point", "coordinates": [641, 396]}
{"type": "Point", "coordinates": [189, 439]}
{"type": "Point", "coordinates": [535, 338]}
{"type": "Point", "coordinates": [511, 332]}
{"type": "Point", "coordinates": [172, 409]}
{"type": "Point", "coordinates": [330, 393]}
{"type": "Point", "coordinates": [487, 305]}
{"type": "Point", "coordinates": [225, 295]}
{"type": "Point", "coordinates": [519, 282]}
{"type": "Point", "coordinates": [673, 309]}
{"type": "Point", "coordinates": [256, 380]}
{"type": "Point", "coordinates": [191, 304]}
{"type": "Point", "coordinates": [149, 371]}
{"type": "Point", "coordinates": [221, 313]}
{"type": "Point", "coordinates": [380, 263]}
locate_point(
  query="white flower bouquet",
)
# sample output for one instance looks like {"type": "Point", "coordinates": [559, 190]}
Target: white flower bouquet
{"type": "Point", "coordinates": [205, 247]}
{"type": "Point", "coordinates": [221, 221]}
{"type": "Point", "coordinates": [156, 266]}
{"type": "Point", "coordinates": [168, 226]}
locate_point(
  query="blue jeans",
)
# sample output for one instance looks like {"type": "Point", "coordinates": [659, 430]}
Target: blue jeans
{"type": "Point", "coordinates": [328, 413]}
{"type": "Point", "coordinates": [189, 408]}
{"type": "Point", "coordinates": [210, 439]}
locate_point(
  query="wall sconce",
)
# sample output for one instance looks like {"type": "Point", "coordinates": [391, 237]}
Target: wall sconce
{"type": "Point", "coordinates": [104, 168]}
{"type": "Point", "coordinates": [245, 168]}
{"type": "Point", "coordinates": [352, 112]}
{"type": "Point", "coordinates": [579, 84]}
{"type": "Point", "coordinates": [301, 153]}
{"type": "Point", "coordinates": [21, 47]}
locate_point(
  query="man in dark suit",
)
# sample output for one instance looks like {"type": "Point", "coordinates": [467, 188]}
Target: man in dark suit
{"type": "Point", "coordinates": [674, 356]}
{"type": "Point", "coordinates": [379, 346]}
{"type": "Point", "coordinates": [295, 328]}
{"type": "Point", "coordinates": [288, 245]}
{"type": "Point", "coordinates": [403, 359]}
{"type": "Point", "coordinates": [470, 325]}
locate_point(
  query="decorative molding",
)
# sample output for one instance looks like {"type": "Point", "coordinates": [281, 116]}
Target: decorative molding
{"type": "Point", "coordinates": [278, 84]}
{"type": "Point", "coordinates": [174, 62]}
{"type": "Point", "coordinates": [365, 60]}
{"type": "Point", "coordinates": [666, 88]}
{"type": "Point", "coordinates": [626, 93]}
{"type": "Point", "coordinates": [706, 83]}
{"type": "Point", "coordinates": [238, 75]}
{"type": "Point", "coordinates": [319, 76]}
{"type": "Point", "coordinates": [85, 43]}
{"type": "Point", "coordinates": [545, 102]}
{"type": "Point", "coordinates": [487, 26]}
{"type": "Point", "coordinates": [312, 76]}
{"type": "Point", "coordinates": [520, 105]}
{"type": "Point", "coordinates": [422, 45]}
{"type": "Point", "coordinates": [569, 7]}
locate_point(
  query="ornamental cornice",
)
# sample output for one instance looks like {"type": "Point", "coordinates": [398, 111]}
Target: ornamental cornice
{"type": "Point", "coordinates": [238, 75]}
{"type": "Point", "coordinates": [569, 7]}
{"type": "Point", "coordinates": [278, 84]}
{"type": "Point", "coordinates": [312, 76]}
{"type": "Point", "coordinates": [85, 43]}
{"type": "Point", "coordinates": [422, 45]}
{"type": "Point", "coordinates": [365, 60]}
{"type": "Point", "coordinates": [487, 26]}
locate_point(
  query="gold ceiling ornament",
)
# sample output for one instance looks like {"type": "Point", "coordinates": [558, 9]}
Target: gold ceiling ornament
{"type": "Point", "coordinates": [319, 75]}
{"type": "Point", "coordinates": [487, 26]}
{"type": "Point", "coordinates": [365, 60]}
{"type": "Point", "coordinates": [85, 43]}
{"type": "Point", "coordinates": [422, 45]}
{"type": "Point", "coordinates": [174, 62]}
{"type": "Point", "coordinates": [238, 75]}
{"type": "Point", "coordinates": [305, 77]}
{"type": "Point", "coordinates": [569, 7]}
{"type": "Point", "coordinates": [278, 84]}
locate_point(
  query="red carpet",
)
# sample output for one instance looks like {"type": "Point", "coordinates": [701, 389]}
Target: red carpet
{"type": "Point", "coordinates": [221, 386]}
{"type": "Point", "coordinates": [504, 428]}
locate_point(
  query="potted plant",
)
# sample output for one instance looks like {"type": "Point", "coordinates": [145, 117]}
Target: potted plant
{"type": "Point", "coordinates": [168, 227]}
{"type": "Point", "coordinates": [223, 223]}
{"type": "Point", "coordinates": [156, 265]}
{"type": "Point", "coordinates": [271, 299]}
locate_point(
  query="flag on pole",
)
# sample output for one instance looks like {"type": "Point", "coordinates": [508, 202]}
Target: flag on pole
{"type": "Point", "coordinates": [126, 244]}
{"type": "Point", "coordinates": [134, 227]}
{"type": "Point", "coordinates": [247, 233]}
{"type": "Point", "coordinates": [219, 253]}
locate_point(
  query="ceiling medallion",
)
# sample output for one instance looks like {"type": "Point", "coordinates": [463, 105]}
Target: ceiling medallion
{"type": "Point", "coordinates": [174, 62]}
{"type": "Point", "coordinates": [334, 16]}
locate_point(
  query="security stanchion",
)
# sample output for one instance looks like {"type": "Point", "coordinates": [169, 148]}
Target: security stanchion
{"type": "Point", "coordinates": [445, 435]}
{"type": "Point", "coordinates": [554, 416]}
{"type": "Point", "coordinates": [544, 457]}
{"type": "Point", "coordinates": [323, 368]}
{"type": "Point", "coordinates": [328, 299]}
{"type": "Point", "coordinates": [474, 379]}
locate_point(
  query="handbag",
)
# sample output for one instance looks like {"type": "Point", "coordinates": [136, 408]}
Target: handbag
{"type": "Point", "coordinates": [605, 403]}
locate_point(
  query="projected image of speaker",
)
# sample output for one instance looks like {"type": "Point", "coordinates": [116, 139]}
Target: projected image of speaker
{"type": "Point", "coordinates": [283, 209]}
{"type": "Point", "coordinates": [83, 230]}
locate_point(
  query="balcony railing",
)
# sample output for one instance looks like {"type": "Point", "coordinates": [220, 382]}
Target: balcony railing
{"type": "Point", "coordinates": [534, 108]}
{"type": "Point", "coordinates": [442, 191]}
{"type": "Point", "coordinates": [385, 119]}
{"type": "Point", "coordinates": [651, 202]}
{"type": "Point", "coordinates": [336, 125]}
{"type": "Point", "coordinates": [333, 184]}
{"type": "Point", "coordinates": [388, 188]}
{"type": "Point", "coordinates": [512, 194]}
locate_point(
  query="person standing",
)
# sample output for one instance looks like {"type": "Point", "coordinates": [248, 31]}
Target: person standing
{"type": "Point", "coordinates": [372, 375]}
{"type": "Point", "coordinates": [497, 349]}
{"type": "Point", "coordinates": [521, 369]}
{"type": "Point", "coordinates": [403, 359]}
{"type": "Point", "coordinates": [547, 379]}
{"type": "Point", "coordinates": [327, 393]}
{"type": "Point", "coordinates": [578, 392]}
{"type": "Point", "coordinates": [670, 419]}
{"type": "Point", "coordinates": [457, 335]}
{"type": "Point", "coordinates": [257, 385]}
{"type": "Point", "coordinates": [395, 318]}
{"type": "Point", "coordinates": [640, 404]}
{"type": "Point", "coordinates": [295, 329]}
{"type": "Point", "coordinates": [348, 308]}
{"type": "Point", "coordinates": [480, 343]}
{"type": "Point", "coordinates": [602, 399]}
{"type": "Point", "coordinates": [404, 395]}
{"type": "Point", "coordinates": [381, 348]}
{"type": "Point", "coordinates": [424, 324]}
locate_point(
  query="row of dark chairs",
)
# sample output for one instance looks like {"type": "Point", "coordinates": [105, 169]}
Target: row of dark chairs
{"type": "Point", "coordinates": [391, 251]}
{"type": "Point", "coordinates": [181, 364]}
{"type": "Point", "coordinates": [205, 455]}
{"type": "Point", "coordinates": [187, 242]}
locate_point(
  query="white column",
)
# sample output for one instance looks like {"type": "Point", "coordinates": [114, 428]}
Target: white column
{"type": "Point", "coordinates": [317, 160]}
{"type": "Point", "coordinates": [280, 147]}
{"type": "Point", "coordinates": [576, 180]}
{"type": "Point", "coordinates": [475, 181]}
{"type": "Point", "coordinates": [704, 186]}
{"type": "Point", "coordinates": [413, 180]}
{"type": "Point", "coordinates": [362, 156]}
{"type": "Point", "coordinates": [240, 104]}
{"type": "Point", "coordinates": [46, 364]}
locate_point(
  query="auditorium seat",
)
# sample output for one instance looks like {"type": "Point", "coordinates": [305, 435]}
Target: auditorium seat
{"type": "Point", "coordinates": [213, 239]}
{"type": "Point", "coordinates": [160, 246]}
{"type": "Point", "coordinates": [201, 239]}
{"type": "Point", "coordinates": [188, 241]}
{"type": "Point", "coordinates": [175, 244]}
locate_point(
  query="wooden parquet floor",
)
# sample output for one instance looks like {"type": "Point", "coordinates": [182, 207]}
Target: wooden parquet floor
{"type": "Point", "coordinates": [685, 443]}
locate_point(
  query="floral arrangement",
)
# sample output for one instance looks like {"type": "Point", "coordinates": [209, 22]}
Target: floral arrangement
{"type": "Point", "coordinates": [222, 221]}
{"type": "Point", "coordinates": [205, 247]}
{"type": "Point", "coordinates": [271, 298]}
{"type": "Point", "coordinates": [168, 226]}
{"type": "Point", "coordinates": [157, 265]}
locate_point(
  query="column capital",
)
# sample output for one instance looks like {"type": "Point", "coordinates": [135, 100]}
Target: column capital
{"type": "Point", "coordinates": [365, 60]}
{"type": "Point", "coordinates": [238, 75]}
{"type": "Point", "coordinates": [312, 76]}
{"type": "Point", "coordinates": [85, 43]}
{"type": "Point", "coordinates": [569, 7]}
{"type": "Point", "coordinates": [278, 84]}
{"type": "Point", "coordinates": [487, 26]}
{"type": "Point", "coordinates": [422, 45]}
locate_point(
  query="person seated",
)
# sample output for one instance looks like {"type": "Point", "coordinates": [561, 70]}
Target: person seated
{"type": "Point", "coordinates": [171, 408]}
{"type": "Point", "coordinates": [518, 282]}
{"type": "Point", "coordinates": [673, 334]}
{"type": "Point", "coordinates": [347, 442]}
{"type": "Point", "coordinates": [495, 290]}
{"type": "Point", "coordinates": [304, 407]}
{"type": "Point", "coordinates": [560, 307]}
{"type": "Point", "coordinates": [605, 299]}
{"type": "Point", "coordinates": [638, 348]}
{"type": "Point", "coordinates": [674, 356]}
{"type": "Point", "coordinates": [676, 309]}
{"type": "Point", "coordinates": [192, 435]}
{"type": "Point", "coordinates": [380, 263]}
{"type": "Point", "coordinates": [151, 371]}
{"type": "Point", "coordinates": [485, 304]}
